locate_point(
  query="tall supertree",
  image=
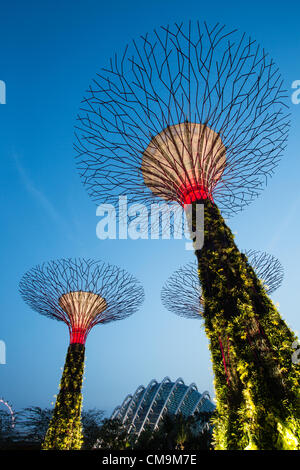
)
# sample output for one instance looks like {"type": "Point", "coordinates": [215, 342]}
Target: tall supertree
{"type": "Point", "coordinates": [196, 115]}
{"type": "Point", "coordinates": [81, 293]}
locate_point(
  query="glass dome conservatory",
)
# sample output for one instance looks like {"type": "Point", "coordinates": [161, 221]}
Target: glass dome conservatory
{"type": "Point", "coordinates": [147, 406]}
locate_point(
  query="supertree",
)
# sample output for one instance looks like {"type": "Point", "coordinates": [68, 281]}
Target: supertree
{"type": "Point", "coordinates": [196, 115]}
{"type": "Point", "coordinates": [182, 293]}
{"type": "Point", "coordinates": [81, 293]}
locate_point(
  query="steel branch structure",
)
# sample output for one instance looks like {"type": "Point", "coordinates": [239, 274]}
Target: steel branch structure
{"type": "Point", "coordinates": [182, 293]}
{"type": "Point", "coordinates": [197, 115]}
{"type": "Point", "coordinates": [81, 293]}
{"type": "Point", "coordinates": [268, 269]}
{"type": "Point", "coordinates": [185, 112]}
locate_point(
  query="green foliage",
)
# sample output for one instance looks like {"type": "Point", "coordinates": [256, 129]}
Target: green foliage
{"type": "Point", "coordinates": [112, 435]}
{"type": "Point", "coordinates": [65, 429]}
{"type": "Point", "coordinates": [175, 432]}
{"type": "Point", "coordinates": [32, 424]}
{"type": "Point", "coordinates": [7, 433]}
{"type": "Point", "coordinates": [91, 425]}
{"type": "Point", "coordinates": [257, 385]}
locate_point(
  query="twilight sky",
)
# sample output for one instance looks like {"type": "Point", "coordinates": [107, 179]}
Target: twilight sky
{"type": "Point", "coordinates": [50, 51]}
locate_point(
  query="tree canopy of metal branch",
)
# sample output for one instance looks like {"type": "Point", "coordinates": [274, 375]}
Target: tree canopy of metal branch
{"type": "Point", "coordinates": [210, 95]}
{"type": "Point", "coordinates": [44, 287]}
{"type": "Point", "coordinates": [268, 269]}
{"type": "Point", "coordinates": [182, 292]}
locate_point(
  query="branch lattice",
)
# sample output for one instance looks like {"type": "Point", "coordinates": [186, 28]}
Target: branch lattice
{"type": "Point", "coordinates": [45, 285]}
{"type": "Point", "coordinates": [268, 269]}
{"type": "Point", "coordinates": [182, 292]}
{"type": "Point", "coordinates": [188, 74]}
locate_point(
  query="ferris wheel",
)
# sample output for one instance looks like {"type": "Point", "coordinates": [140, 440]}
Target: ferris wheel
{"type": "Point", "coordinates": [11, 411]}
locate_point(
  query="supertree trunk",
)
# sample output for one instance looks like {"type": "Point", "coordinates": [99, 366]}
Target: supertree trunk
{"type": "Point", "coordinates": [65, 430]}
{"type": "Point", "coordinates": [81, 293]}
{"type": "Point", "coordinates": [257, 385]}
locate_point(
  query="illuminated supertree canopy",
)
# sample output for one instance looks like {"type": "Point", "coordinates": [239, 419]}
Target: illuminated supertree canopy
{"type": "Point", "coordinates": [81, 293]}
{"type": "Point", "coordinates": [197, 115]}
{"type": "Point", "coordinates": [182, 294]}
{"type": "Point", "coordinates": [186, 112]}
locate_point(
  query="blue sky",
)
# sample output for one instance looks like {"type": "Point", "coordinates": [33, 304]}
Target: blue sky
{"type": "Point", "coordinates": [49, 53]}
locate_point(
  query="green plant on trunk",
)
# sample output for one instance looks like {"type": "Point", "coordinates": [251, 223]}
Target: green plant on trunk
{"type": "Point", "coordinates": [257, 384]}
{"type": "Point", "coordinates": [65, 429]}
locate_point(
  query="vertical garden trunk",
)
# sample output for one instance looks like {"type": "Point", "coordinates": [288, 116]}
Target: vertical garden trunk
{"type": "Point", "coordinates": [65, 431]}
{"type": "Point", "coordinates": [257, 385]}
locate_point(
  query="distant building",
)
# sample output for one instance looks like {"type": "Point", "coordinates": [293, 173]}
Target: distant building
{"type": "Point", "coordinates": [149, 404]}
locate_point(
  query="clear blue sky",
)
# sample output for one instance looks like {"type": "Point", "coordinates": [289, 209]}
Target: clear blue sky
{"type": "Point", "coordinates": [50, 50]}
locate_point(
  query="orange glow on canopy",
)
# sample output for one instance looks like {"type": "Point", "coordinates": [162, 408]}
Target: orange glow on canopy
{"type": "Point", "coordinates": [184, 163]}
{"type": "Point", "coordinates": [82, 308]}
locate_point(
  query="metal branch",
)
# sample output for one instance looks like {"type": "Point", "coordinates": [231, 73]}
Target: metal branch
{"type": "Point", "coordinates": [182, 292]}
{"type": "Point", "coordinates": [81, 292]}
{"type": "Point", "coordinates": [194, 74]}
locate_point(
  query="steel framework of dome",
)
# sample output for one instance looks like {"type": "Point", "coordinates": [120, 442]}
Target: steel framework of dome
{"type": "Point", "coordinates": [147, 406]}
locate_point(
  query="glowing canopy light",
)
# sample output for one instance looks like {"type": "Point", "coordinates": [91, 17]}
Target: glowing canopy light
{"type": "Point", "coordinates": [81, 293]}
{"type": "Point", "coordinates": [188, 159]}
{"type": "Point", "coordinates": [82, 308]}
